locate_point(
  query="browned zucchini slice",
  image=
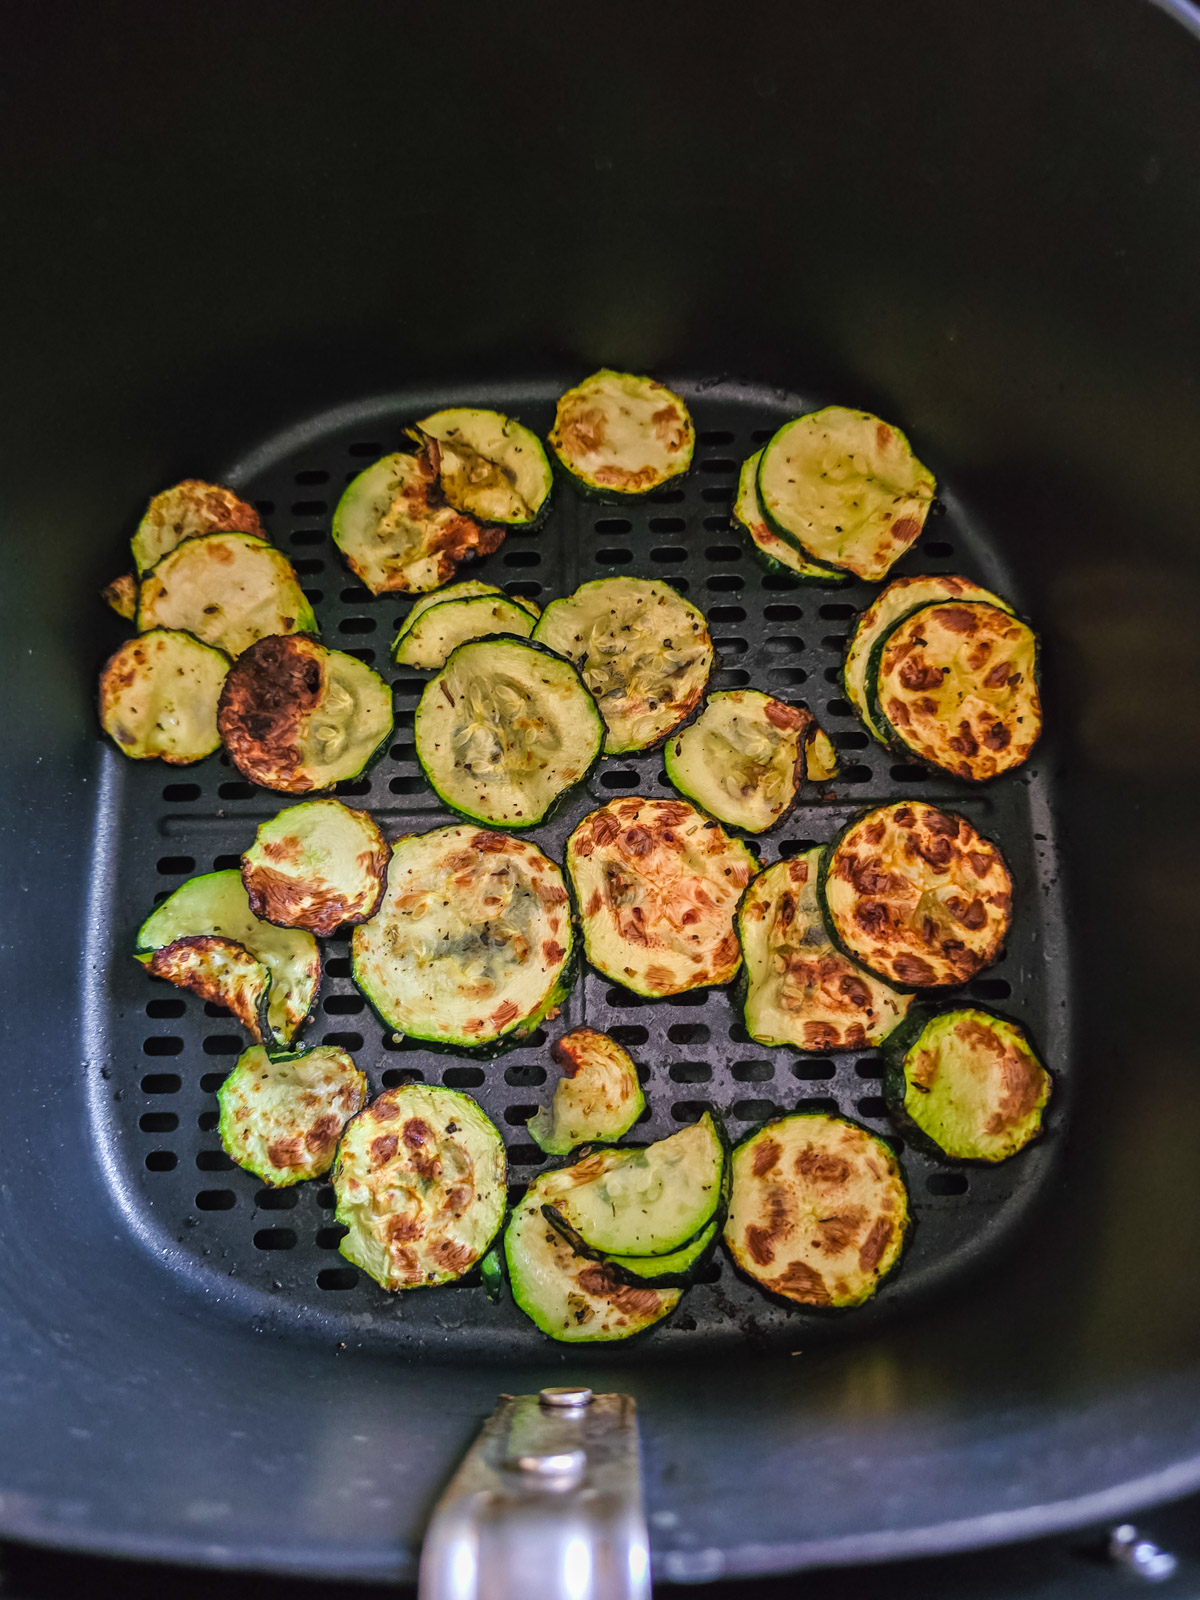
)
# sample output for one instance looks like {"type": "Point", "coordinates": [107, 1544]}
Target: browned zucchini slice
{"type": "Point", "coordinates": [220, 970]}
{"type": "Point", "coordinates": [319, 865]}
{"type": "Point", "coordinates": [159, 694]}
{"type": "Point", "coordinates": [618, 433]}
{"type": "Point", "coordinates": [188, 511]}
{"type": "Point", "coordinates": [122, 595]}
{"type": "Point", "coordinates": [282, 1115]}
{"type": "Point", "coordinates": [743, 758]}
{"type": "Point", "coordinates": [229, 589]}
{"type": "Point", "coordinates": [597, 1098]}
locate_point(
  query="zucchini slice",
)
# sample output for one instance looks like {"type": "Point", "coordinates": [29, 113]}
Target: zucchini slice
{"type": "Point", "coordinates": [489, 465]}
{"type": "Point", "coordinates": [846, 489]}
{"type": "Point", "coordinates": [319, 865]}
{"type": "Point", "coordinates": [122, 595]}
{"type": "Point", "coordinates": [901, 596]}
{"type": "Point", "coordinates": [282, 1115]}
{"type": "Point", "coordinates": [468, 589]}
{"type": "Point", "coordinates": [598, 1096]}
{"type": "Point", "coordinates": [491, 1270]}
{"type": "Point", "coordinates": [229, 589]}
{"type": "Point", "coordinates": [296, 717]}
{"type": "Point", "coordinates": [441, 629]}
{"type": "Point", "coordinates": [396, 532]}
{"type": "Point", "coordinates": [917, 895]}
{"type": "Point", "coordinates": [188, 511]}
{"type": "Point", "coordinates": [955, 684]}
{"type": "Point", "coordinates": [641, 649]}
{"type": "Point", "coordinates": [216, 903]}
{"type": "Point", "coordinates": [819, 1210]}
{"type": "Point", "coordinates": [657, 885]}
{"type": "Point", "coordinates": [622, 434]}
{"type": "Point", "coordinates": [820, 756]}
{"type": "Point", "coordinates": [472, 946]}
{"type": "Point", "coordinates": [420, 1184]}
{"type": "Point", "coordinates": [505, 729]}
{"type": "Point", "coordinates": [677, 1268]}
{"type": "Point", "coordinates": [776, 554]}
{"type": "Point", "coordinates": [969, 1082]}
{"type": "Point", "coordinates": [158, 697]}
{"type": "Point", "coordinates": [799, 989]}
{"type": "Point", "coordinates": [742, 759]}
{"type": "Point", "coordinates": [220, 970]}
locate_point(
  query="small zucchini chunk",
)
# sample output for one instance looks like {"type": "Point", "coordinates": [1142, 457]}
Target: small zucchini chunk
{"type": "Point", "coordinates": [491, 1270]}
{"type": "Point", "coordinates": [819, 1210]}
{"type": "Point", "coordinates": [158, 697]}
{"type": "Point", "coordinates": [776, 555]}
{"type": "Point", "coordinates": [657, 885]}
{"type": "Point", "coordinates": [955, 684]}
{"type": "Point", "coordinates": [215, 903]}
{"type": "Point", "coordinates": [799, 988]}
{"type": "Point", "coordinates": [505, 729]}
{"type": "Point", "coordinates": [642, 650]}
{"type": "Point", "coordinates": [420, 1183]}
{"type": "Point", "coordinates": [396, 532]}
{"type": "Point", "coordinates": [621, 434]}
{"type": "Point", "coordinates": [467, 590]}
{"type": "Point", "coordinates": [282, 1115]}
{"type": "Point", "coordinates": [189, 511]}
{"type": "Point", "coordinates": [916, 895]}
{"type": "Point", "coordinates": [820, 756]}
{"type": "Point", "coordinates": [597, 1098]}
{"type": "Point", "coordinates": [472, 945]}
{"type": "Point", "coordinates": [220, 970]}
{"type": "Point", "coordinates": [490, 466]}
{"type": "Point", "coordinates": [229, 589]}
{"type": "Point", "coordinates": [440, 629]}
{"type": "Point", "coordinates": [319, 865]}
{"type": "Point", "coordinates": [967, 1081]}
{"type": "Point", "coordinates": [297, 717]}
{"type": "Point", "coordinates": [742, 759]}
{"type": "Point", "coordinates": [846, 489]}
{"type": "Point", "coordinates": [122, 595]}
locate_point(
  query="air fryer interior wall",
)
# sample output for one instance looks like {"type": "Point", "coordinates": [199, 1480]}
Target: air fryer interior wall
{"type": "Point", "coordinates": [980, 225]}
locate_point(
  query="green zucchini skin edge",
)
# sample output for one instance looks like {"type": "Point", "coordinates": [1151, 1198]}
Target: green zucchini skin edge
{"type": "Point", "coordinates": [612, 497]}
{"type": "Point", "coordinates": [491, 1265]}
{"type": "Point", "coordinates": [778, 570]}
{"type": "Point", "coordinates": [665, 1280]}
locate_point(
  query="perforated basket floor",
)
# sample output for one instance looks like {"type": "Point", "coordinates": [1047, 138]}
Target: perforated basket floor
{"type": "Point", "coordinates": [158, 1055]}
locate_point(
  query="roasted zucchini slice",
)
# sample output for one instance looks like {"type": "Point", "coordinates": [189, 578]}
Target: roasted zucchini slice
{"type": "Point", "coordinates": [597, 1098]}
{"type": "Point", "coordinates": [967, 1081]}
{"type": "Point", "coordinates": [468, 589]}
{"type": "Point", "coordinates": [188, 511]}
{"type": "Point", "coordinates": [799, 989]}
{"type": "Point", "coordinates": [505, 729]}
{"type": "Point", "coordinates": [319, 865]}
{"type": "Point", "coordinates": [819, 1210]}
{"type": "Point", "coordinates": [917, 895]}
{"type": "Point", "coordinates": [220, 970]}
{"type": "Point", "coordinates": [122, 595]}
{"type": "Point", "coordinates": [441, 629]}
{"type": "Point", "coordinates": [846, 489]}
{"type": "Point", "coordinates": [282, 1115]}
{"type": "Point", "coordinates": [642, 650]}
{"type": "Point", "coordinates": [490, 466]}
{"type": "Point", "coordinates": [229, 589]}
{"type": "Point", "coordinates": [420, 1183]}
{"type": "Point", "coordinates": [395, 530]}
{"type": "Point", "coordinates": [657, 885]}
{"type": "Point", "coordinates": [296, 717]}
{"type": "Point", "coordinates": [472, 946]}
{"type": "Point", "coordinates": [158, 697]}
{"type": "Point", "coordinates": [621, 434]}
{"type": "Point", "coordinates": [215, 903]}
{"type": "Point", "coordinates": [820, 756]}
{"type": "Point", "coordinates": [776, 554]}
{"type": "Point", "coordinates": [676, 1269]}
{"type": "Point", "coordinates": [742, 759]}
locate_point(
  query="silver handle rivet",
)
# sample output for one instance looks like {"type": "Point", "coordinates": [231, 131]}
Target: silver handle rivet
{"type": "Point", "coordinates": [566, 1398]}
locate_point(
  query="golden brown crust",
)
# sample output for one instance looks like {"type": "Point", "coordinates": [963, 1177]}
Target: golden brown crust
{"type": "Point", "coordinates": [240, 982]}
{"type": "Point", "coordinates": [122, 595]}
{"type": "Point", "coordinates": [271, 690]}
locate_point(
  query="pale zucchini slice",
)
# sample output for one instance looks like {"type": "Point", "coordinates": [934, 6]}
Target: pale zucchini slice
{"type": "Point", "coordinates": [597, 1098]}
{"type": "Point", "coordinates": [820, 755]}
{"type": "Point", "coordinates": [490, 466]}
{"type": "Point", "coordinates": [158, 697]}
{"type": "Point", "coordinates": [220, 970]}
{"type": "Point", "coordinates": [282, 1115]}
{"type": "Point", "coordinates": [468, 589]}
{"type": "Point", "coordinates": [442, 628]}
{"type": "Point", "coordinates": [775, 554]}
{"type": "Point", "coordinates": [742, 759]}
{"type": "Point", "coordinates": [618, 433]}
{"type": "Point", "coordinates": [319, 865]}
{"type": "Point", "coordinates": [122, 595]}
{"type": "Point", "coordinates": [229, 589]}
{"type": "Point", "coordinates": [188, 511]}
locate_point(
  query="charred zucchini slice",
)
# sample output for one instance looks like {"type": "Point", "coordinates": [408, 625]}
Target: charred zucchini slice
{"type": "Point", "coordinates": [395, 530]}
{"type": "Point", "coordinates": [318, 865]}
{"type": "Point", "coordinates": [215, 903]}
{"type": "Point", "coordinates": [846, 489]}
{"type": "Point", "coordinates": [917, 895]}
{"type": "Point", "coordinates": [776, 554]}
{"type": "Point", "coordinates": [188, 511]}
{"type": "Point", "coordinates": [282, 1115]}
{"type": "Point", "coordinates": [819, 1210]}
{"type": "Point", "coordinates": [657, 885]}
{"type": "Point", "coordinates": [490, 466]}
{"type": "Point", "coordinates": [641, 649]}
{"type": "Point", "coordinates": [296, 717]}
{"type": "Point", "coordinates": [467, 590]}
{"type": "Point", "coordinates": [441, 629]}
{"type": "Point", "coordinates": [420, 1184]}
{"type": "Point", "coordinates": [229, 589]}
{"type": "Point", "coordinates": [622, 434]}
{"type": "Point", "coordinates": [799, 989]}
{"type": "Point", "coordinates": [969, 1082]}
{"type": "Point", "coordinates": [955, 684]}
{"type": "Point", "coordinates": [505, 729]}
{"type": "Point", "coordinates": [122, 595]}
{"type": "Point", "coordinates": [742, 759]}
{"type": "Point", "coordinates": [220, 970]}
{"type": "Point", "coordinates": [472, 946]}
{"type": "Point", "coordinates": [597, 1098]}
{"type": "Point", "coordinates": [158, 697]}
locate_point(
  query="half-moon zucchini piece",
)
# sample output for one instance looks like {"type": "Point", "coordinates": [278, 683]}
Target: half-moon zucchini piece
{"type": "Point", "coordinates": [122, 595]}
{"type": "Point", "coordinates": [282, 1115]}
{"type": "Point", "coordinates": [468, 589]}
{"type": "Point", "coordinates": [296, 717]}
{"type": "Point", "coordinates": [441, 629]}
{"type": "Point", "coordinates": [657, 885]}
{"type": "Point", "coordinates": [846, 489]}
{"type": "Point", "coordinates": [597, 1098]}
{"type": "Point", "coordinates": [319, 865]}
{"type": "Point", "coordinates": [819, 1210]}
{"type": "Point", "coordinates": [189, 511]}
{"type": "Point", "coordinates": [618, 433]}
{"type": "Point", "coordinates": [641, 649]}
{"type": "Point", "coordinates": [505, 729]}
{"type": "Point", "coordinates": [158, 697]}
{"type": "Point", "coordinates": [220, 970]}
{"type": "Point", "coordinates": [490, 466]}
{"type": "Point", "coordinates": [917, 895]}
{"type": "Point", "coordinates": [676, 1269]}
{"type": "Point", "coordinates": [229, 589]}
{"type": "Point", "coordinates": [776, 554]}
{"type": "Point", "coordinates": [420, 1183]}
{"type": "Point", "coordinates": [472, 945]}
{"type": "Point", "coordinates": [742, 759]}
